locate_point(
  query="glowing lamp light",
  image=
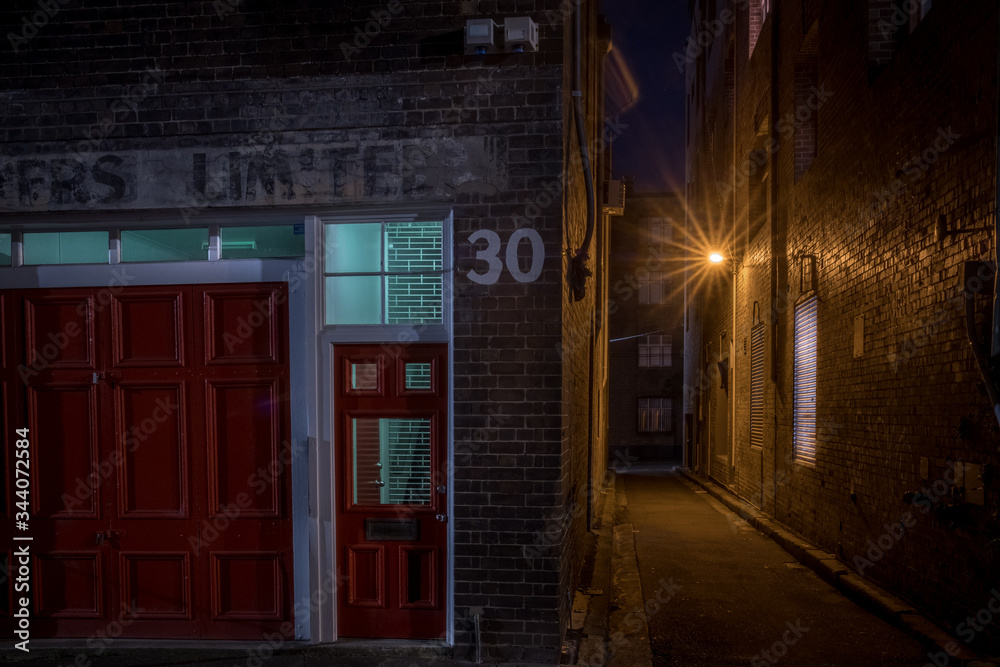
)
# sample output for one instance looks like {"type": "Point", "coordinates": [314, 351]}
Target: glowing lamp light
{"type": "Point", "coordinates": [715, 258]}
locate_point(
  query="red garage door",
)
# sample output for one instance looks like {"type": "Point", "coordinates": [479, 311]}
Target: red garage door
{"type": "Point", "coordinates": [158, 423]}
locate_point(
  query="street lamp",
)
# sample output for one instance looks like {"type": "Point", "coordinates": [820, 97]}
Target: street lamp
{"type": "Point", "coordinates": [718, 258]}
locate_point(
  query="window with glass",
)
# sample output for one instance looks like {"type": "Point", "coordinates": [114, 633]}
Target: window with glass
{"type": "Point", "coordinates": [262, 242]}
{"type": "Point", "coordinates": [654, 415]}
{"type": "Point", "coordinates": [391, 461]}
{"type": "Point", "coordinates": [65, 248]}
{"type": "Point", "coordinates": [383, 273]}
{"type": "Point", "coordinates": [652, 288]}
{"type": "Point", "coordinates": [5, 244]}
{"type": "Point", "coordinates": [655, 351]}
{"type": "Point", "coordinates": [658, 232]}
{"type": "Point", "coordinates": [184, 244]}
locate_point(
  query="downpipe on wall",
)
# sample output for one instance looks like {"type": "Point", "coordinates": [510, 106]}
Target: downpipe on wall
{"type": "Point", "coordinates": [578, 269]}
{"type": "Point", "coordinates": [975, 271]}
{"type": "Point", "coordinates": [978, 348]}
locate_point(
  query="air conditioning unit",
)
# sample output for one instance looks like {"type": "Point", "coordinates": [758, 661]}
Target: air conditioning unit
{"type": "Point", "coordinates": [614, 198]}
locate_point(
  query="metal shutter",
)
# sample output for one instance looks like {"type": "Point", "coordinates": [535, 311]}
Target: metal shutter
{"type": "Point", "coordinates": [804, 421]}
{"type": "Point", "coordinates": [757, 386]}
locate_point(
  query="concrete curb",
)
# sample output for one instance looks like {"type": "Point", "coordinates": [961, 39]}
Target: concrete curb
{"type": "Point", "coordinates": [593, 635]}
{"type": "Point", "coordinates": [840, 576]}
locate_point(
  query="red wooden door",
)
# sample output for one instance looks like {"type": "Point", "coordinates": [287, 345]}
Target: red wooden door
{"type": "Point", "coordinates": [391, 438]}
{"type": "Point", "coordinates": [157, 417]}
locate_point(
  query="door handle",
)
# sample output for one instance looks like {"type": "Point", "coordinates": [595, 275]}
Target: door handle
{"type": "Point", "coordinates": [442, 518]}
{"type": "Point", "coordinates": [103, 535]}
{"type": "Point", "coordinates": [378, 482]}
{"type": "Point", "coordinates": [112, 378]}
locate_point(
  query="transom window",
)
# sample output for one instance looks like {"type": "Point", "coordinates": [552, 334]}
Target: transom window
{"type": "Point", "coordinates": [65, 248]}
{"type": "Point", "coordinates": [383, 273]}
{"type": "Point", "coordinates": [176, 244]}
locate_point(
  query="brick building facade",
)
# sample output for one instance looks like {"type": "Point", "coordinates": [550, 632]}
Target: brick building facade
{"type": "Point", "coordinates": [842, 156]}
{"type": "Point", "coordinates": [646, 314]}
{"type": "Point", "coordinates": [342, 252]}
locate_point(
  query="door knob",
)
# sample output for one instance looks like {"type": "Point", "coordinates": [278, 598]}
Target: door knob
{"type": "Point", "coordinates": [441, 517]}
{"type": "Point", "coordinates": [378, 482]}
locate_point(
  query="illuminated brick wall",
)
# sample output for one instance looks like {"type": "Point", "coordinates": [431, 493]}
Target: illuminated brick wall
{"type": "Point", "coordinates": [905, 134]}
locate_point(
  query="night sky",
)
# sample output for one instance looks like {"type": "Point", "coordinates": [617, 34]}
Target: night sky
{"type": "Point", "coordinates": [646, 88]}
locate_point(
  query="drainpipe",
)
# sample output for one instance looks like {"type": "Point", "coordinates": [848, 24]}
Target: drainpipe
{"type": "Point", "coordinates": [996, 224]}
{"type": "Point", "coordinates": [978, 348]}
{"type": "Point", "coordinates": [578, 262]}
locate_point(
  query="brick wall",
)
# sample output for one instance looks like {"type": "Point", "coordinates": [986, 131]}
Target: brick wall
{"type": "Point", "coordinates": [896, 148]}
{"type": "Point", "coordinates": [340, 105]}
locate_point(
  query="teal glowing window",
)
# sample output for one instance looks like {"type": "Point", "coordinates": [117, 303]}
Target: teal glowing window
{"type": "Point", "coordinates": [64, 248]}
{"type": "Point", "coordinates": [262, 242]}
{"type": "Point", "coordinates": [5, 250]}
{"type": "Point", "coordinates": [354, 248]}
{"type": "Point", "coordinates": [165, 245]}
{"type": "Point", "coordinates": [384, 273]}
{"type": "Point", "coordinates": [391, 458]}
{"type": "Point", "coordinates": [418, 376]}
{"type": "Point", "coordinates": [353, 299]}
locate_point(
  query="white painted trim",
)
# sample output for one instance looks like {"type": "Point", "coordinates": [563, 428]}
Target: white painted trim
{"type": "Point", "coordinates": [326, 338]}
{"type": "Point", "coordinates": [301, 372]}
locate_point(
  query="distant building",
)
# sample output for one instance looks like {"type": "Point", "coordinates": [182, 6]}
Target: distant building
{"type": "Point", "coordinates": [645, 319]}
{"type": "Point", "coordinates": [300, 310]}
{"type": "Point", "coordinates": [842, 159]}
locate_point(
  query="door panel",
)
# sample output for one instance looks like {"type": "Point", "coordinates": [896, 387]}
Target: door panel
{"type": "Point", "coordinates": [59, 331]}
{"type": "Point", "coordinates": [153, 449]}
{"type": "Point", "coordinates": [391, 411]}
{"type": "Point", "coordinates": [157, 584]}
{"type": "Point", "coordinates": [234, 600]}
{"type": "Point", "coordinates": [243, 432]}
{"type": "Point", "coordinates": [160, 458]}
{"type": "Point", "coordinates": [69, 585]}
{"type": "Point", "coordinates": [64, 418]}
{"type": "Point", "coordinates": [135, 343]}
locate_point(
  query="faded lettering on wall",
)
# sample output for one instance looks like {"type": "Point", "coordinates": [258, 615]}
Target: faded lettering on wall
{"type": "Point", "coordinates": [247, 176]}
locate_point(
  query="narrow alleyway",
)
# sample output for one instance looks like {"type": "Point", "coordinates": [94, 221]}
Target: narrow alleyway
{"type": "Point", "coordinates": [717, 592]}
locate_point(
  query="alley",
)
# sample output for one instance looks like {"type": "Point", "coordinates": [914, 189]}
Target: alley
{"type": "Point", "coordinates": [717, 592]}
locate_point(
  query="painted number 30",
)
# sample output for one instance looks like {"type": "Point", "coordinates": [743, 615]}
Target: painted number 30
{"type": "Point", "coordinates": [491, 255]}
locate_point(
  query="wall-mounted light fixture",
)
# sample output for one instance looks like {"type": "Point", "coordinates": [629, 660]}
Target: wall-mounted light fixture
{"type": "Point", "coordinates": [942, 230]}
